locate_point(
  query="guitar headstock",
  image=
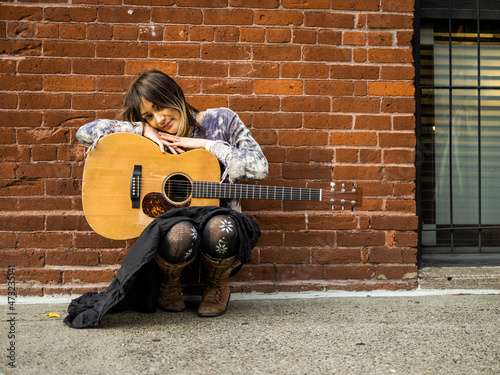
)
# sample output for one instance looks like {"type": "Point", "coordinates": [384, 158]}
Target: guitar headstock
{"type": "Point", "coordinates": [343, 195]}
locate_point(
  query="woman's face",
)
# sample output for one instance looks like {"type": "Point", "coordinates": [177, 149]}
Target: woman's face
{"type": "Point", "coordinates": [163, 119]}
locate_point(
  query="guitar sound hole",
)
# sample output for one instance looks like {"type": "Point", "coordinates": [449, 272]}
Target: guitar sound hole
{"type": "Point", "coordinates": [178, 188]}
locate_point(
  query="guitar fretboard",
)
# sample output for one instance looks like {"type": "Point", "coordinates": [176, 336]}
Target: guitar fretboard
{"type": "Point", "coordinates": [203, 189]}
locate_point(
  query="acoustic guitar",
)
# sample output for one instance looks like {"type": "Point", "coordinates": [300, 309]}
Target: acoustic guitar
{"type": "Point", "coordinates": [127, 182]}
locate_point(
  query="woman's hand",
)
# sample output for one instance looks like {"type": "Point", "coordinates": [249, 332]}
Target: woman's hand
{"type": "Point", "coordinates": [178, 145]}
{"type": "Point", "coordinates": [153, 134]}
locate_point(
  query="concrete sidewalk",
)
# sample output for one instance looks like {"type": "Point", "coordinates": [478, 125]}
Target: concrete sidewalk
{"type": "Point", "coordinates": [371, 333]}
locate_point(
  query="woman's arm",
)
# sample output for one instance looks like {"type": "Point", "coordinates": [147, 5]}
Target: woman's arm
{"type": "Point", "coordinates": [241, 154]}
{"type": "Point", "coordinates": [90, 133]}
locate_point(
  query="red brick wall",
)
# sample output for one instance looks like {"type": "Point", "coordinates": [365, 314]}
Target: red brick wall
{"type": "Point", "coordinates": [326, 87]}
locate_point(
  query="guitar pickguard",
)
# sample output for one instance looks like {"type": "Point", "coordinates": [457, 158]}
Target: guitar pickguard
{"type": "Point", "coordinates": [155, 204]}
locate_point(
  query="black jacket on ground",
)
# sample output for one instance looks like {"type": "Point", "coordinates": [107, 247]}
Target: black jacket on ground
{"type": "Point", "coordinates": [137, 284]}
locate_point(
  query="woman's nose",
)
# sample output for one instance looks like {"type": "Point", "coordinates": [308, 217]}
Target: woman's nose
{"type": "Point", "coordinates": [157, 118]}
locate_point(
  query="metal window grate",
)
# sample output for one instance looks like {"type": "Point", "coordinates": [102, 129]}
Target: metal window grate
{"type": "Point", "coordinates": [457, 58]}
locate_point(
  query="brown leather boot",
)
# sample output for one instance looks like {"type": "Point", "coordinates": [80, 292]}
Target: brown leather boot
{"type": "Point", "coordinates": [216, 297]}
{"type": "Point", "coordinates": [170, 297]}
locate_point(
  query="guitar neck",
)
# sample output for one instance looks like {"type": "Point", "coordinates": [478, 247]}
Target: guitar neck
{"type": "Point", "coordinates": [202, 189]}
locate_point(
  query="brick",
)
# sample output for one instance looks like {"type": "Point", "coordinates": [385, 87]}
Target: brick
{"type": "Point", "coordinates": [44, 153]}
{"type": "Point", "coordinates": [170, 33]}
{"type": "Point", "coordinates": [402, 189]}
{"type": "Point", "coordinates": [329, 37]}
{"type": "Point", "coordinates": [404, 38]}
{"type": "Point", "coordinates": [93, 240]}
{"type": "Point", "coordinates": [156, 33]}
{"type": "Point", "coordinates": [359, 105]}
{"type": "Point", "coordinates": [398, 5]}
{"type": "Point", "coordinates": [70, 14]}
{"type": "Point", "coordinates": [38, 275]}
{"type": "Point", "coordinates": [254, 69]}
{"type": "Point", "coordinates": [121, 49]}
{"type": "Point", "coordinates": [226, 86]}
{"type": "Point", "coordinates": [278, 36]}
{"type": "Point", "coordinates": [305, 171]}
{"type": "Point", "coordinates": [360, 238]}
{"type": "Point", "coordinates": [67, 119]}
{"type": "Point", "coordinates": [278, 87]}
{"type": "Point", "coordinates": [20, 13]}
{"type": "Point", "coordinates": [257, 104]}
{"type": "Point", "coordinates": [327, 121]}
{"type": "Point", "coordinates": [354, 72]}
{"type": "Point", "coordinates": [277, 120]}
{"type": "Point", "coordinates": [112, 256]}
{"type": "Point", "coordinates": [9, 240]}
{"type": "Point", "coordinates": [305, 104]}
{"type": "Point", "coordinates": [278, 18]}
{"type": "Point", "coordinates": [330, 87]}
{"type": "Point", "coordinates": [400, 173]}
{"type": "Point", "coordinates": [284, 256]}
{"type": "Point", "coordinates": [329, 20]}
{"type": "Point", "coordinates": [399, 156]}
{"type": "Point", "coordinates": [306, 4]}
{"type": "Point", "coordinates": [43, 30]}
{"type": "Point", "coordinates": [22, 258]}
{"type": "Point", "coordinates": [331, 222]}
{"type": "Point", "coordinates": [394, 222]}
{"type": "Point", "coordinates": [72, 31]}
{"type": "Point", "coordinates": [69, 83]}
{"type": "Point", "coordinates": [357, 138]}
{"type": "Point", "coordinates": [7, 66]}
{"type": "Point", "coordinates": [346, 155]}
{"type": "Point", "coordinates": [203, 33]}
{"type": "Point", "coordinates": [389, 21]}
{"type": "Point", "coordinates": [300, 70]}
{"type": "Point", "coordinates": [59, 257]}
{"type": "Point", "coordinates": [356, 173]}
{"type": "Point", "coordinates": [335, 256]}
{"type": "Point", "coordinates": [125, 32]}
{"type": "Point", "coordinates": [20, 30]}
{"type": "Point", "coordinates": [99, 32]}
{"type": "Point", "coordinates": [44, 66]}
{"type": "Point", "coordinates": [98, 66]}
{"type": "Point", "coordinates": [401, 205]}
{"type": "Point", "coordinates": [94, 101]}
{"type": "Point", "coordinates": [379, 38]}
{"type": "Point", "coordinates": [228, 17]}
{"type": "Point", "coordinates": [225, 52]}
{"type": "Point", "coordinates": [351, 272]}
{"type": "Point", "coordinates": [322, 155]}
{"type": "Point", "coordinates": [397, 105]}
{"type": "Point", "coordinates": [407, 239]}
{"type": "Point", "coordinates": [179, 15]}
{"type": "Point", "coordinates": [202, 68]}
{"type": "Point", "coordinates": [276, 53]}
{"type": "Point", "coordinates": [397, 72]}
{"type": "Point", "coordinates": [327, 54]}
{"type": "Point", "coordinates": [42, 101]}
{"type": "Point", "coordinates": [123, 15]}
{"type": "Point", "coordinates": [302, 138]}
{"type": "Point", "coordinates": [303, 36]}
{"type": "Point", "coordinates": [297, 155]}
{"type": "Point", "coordinates": [372, 5]}
{"type": "Point", "coordinates": [375, 122]}
{"type": "Point", "coordinates": [114, 83]}
{"type": "Point", "coordinates": [356, 38]}
{"type": "Point", "coordinates": [370, 156]}
{"type": "Point", "coordinates": [397, 139]}
{"type": "Point", "coordinates": [390, 55]}
{"type": "Point", "coordinates": [69, 49]}
{"type": "Point", "coordinates": [20, 48]}
{"type": "Point", "coordinates": [391, 89]}
{"type": "Point", "coordinates": [92, 276]}
{"type": "Point", "coordinates": [300, 272]}
{"type": "Point", "coordinates": [21, 83]}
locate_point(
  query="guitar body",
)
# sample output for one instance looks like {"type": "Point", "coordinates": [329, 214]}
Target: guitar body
{"type": "Point", "coordinates": [106, 190]}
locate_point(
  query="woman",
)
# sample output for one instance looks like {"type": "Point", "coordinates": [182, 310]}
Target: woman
{"type": "Point", "coordinates": [155, 107]}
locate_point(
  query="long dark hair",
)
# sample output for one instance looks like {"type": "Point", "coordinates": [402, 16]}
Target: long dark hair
{"type": "Point", "coordinates": [161, 90]}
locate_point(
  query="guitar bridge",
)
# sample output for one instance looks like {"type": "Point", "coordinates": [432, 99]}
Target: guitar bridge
{"type": "Point", "coordinates": [135, 186]}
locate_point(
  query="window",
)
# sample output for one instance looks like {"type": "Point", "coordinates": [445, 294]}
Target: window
{"type": "Point", "coordinates": [458, 96]}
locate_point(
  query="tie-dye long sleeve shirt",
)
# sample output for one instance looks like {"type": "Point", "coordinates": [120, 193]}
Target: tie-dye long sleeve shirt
{"type": "Point", "coordinates": [239, 154]}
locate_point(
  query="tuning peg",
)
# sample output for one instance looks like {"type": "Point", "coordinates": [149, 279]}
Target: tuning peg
{"type": "Point", "coordinates": [332, 184]}
{"type": "Point", "coordinates": [332, 205]}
